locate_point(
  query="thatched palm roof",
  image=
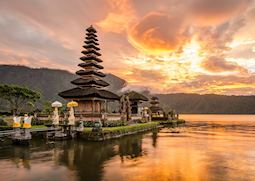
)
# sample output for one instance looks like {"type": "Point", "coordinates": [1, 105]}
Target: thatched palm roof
{"type": "Point", "coordinates": [84, 65]}
{"type": "Point", "coordinates": [82, 81]}
{"type": "Point", "coordinates": [156, 109]}
{"type": "Point", "coordinates": [87, 93]}
{"type": "Point", "coordinates": [90, 57]}
{"type": "Point", "coordinates": [135, 96]}
{"type": "Point", "coordinates": [89, 72]}
{"type": "Point", "coordinates": [91, 29]}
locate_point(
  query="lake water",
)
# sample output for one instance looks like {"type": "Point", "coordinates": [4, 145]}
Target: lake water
{"type": "Point", "coordinates": [210, 147]}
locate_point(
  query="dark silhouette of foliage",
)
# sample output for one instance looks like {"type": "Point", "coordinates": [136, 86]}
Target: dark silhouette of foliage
{"type": "Point", "coordinates": [18, 97]}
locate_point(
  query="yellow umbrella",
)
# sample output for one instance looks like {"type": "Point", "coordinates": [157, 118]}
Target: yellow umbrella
{"type": "Point", "coordinates": [72, 104]}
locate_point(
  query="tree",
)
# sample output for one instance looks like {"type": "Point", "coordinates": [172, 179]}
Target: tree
{"type": "Point", "coordinates": [47, 109]}
{"type": "Point", "coordinates": [18, 97]}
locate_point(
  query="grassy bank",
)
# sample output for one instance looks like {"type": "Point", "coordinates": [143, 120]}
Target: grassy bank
{"type": "Point", "coordinates": [116, 132]}
{"type": "Point", "coordinates": [3, 128]}
{"type": "Point", "coordinates": [171, 122]}
{"type": "Point", "coordinates": [38, 126]}
{"type": "Point", "coordinates": [132, 127]}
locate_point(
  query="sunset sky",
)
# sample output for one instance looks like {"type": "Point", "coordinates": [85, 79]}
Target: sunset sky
{"type": "Point", "coordinates": [165, 46]}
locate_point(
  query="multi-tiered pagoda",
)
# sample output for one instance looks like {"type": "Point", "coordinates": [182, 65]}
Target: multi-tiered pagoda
{"type": "Point", "coordinates": [90, 93]}
{"type": "Point", "coordinates": [156, 110]}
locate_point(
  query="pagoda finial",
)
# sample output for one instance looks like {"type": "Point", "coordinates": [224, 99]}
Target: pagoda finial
{"type": "Point", "coordinates": [91, 29]}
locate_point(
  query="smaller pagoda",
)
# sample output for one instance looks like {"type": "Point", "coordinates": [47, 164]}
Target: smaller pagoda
{"type": "Point", "coordinates": [156, 110]}
{"type": "Point", "coordinates": [90, 94]}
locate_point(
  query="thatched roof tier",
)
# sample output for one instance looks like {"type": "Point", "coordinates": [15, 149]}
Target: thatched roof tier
{"type": "Point", "coordinates": [135, 96]}
{"type": "Point", "coordinates": [91, 38]}
{"type": "Point", "coordinates": [89, 82]}
{"type": "Point", "coordinates": [156, 109]}
{"type": "Point", "coordinates": [90, 57]}
{"type": "Point", "coordinates": [154, 102]}
{"type": "Point", "coordinates": [154, 98]}
{"type": "Point", "coordinates": [91, 46]}
{"type": "Point", "coordinates": [90, 72]}
{"type": "Point", "coordinates": [91, 29]}
{"type": "Point", "coordinates": [91, 42]}
{"type": "Point", "coordinates": [88, 92]}
{"type": "Point", "coordinates": [91, 34]}
{"type": "Point", "coordinates": [84, 65]}
{"type": "Point", "coordinates": [85, 52]}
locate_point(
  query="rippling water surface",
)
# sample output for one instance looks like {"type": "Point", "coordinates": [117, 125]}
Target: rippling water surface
{"type": "Point", "coordinates": [209, 147]}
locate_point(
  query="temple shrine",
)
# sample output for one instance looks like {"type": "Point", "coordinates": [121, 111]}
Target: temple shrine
{"type": "Point", "coordinates": [90, 94]}
{"type": "Point", "coordinates": [135, 101]}
{"type": "Point", "coordinates": [156, 110]}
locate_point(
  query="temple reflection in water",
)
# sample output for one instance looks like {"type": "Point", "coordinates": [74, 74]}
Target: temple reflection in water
{"type": "Point", "coordinates": [199, 153]}
{"type": "Point", "coordinates": [85, 159]}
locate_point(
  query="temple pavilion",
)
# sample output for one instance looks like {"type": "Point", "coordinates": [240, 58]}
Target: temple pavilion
{"type": "Point", "coordinates": [136, 100]}
{"type": "Point", "coordinates": [90, 92]}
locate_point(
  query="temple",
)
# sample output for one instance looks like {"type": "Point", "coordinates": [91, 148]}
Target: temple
{"type": "Point", "coordinates": [135, 102]}
{"type": "Point", "coordinates": [156, 110]}
{"type": "Point", "coordinates": [90, 94]}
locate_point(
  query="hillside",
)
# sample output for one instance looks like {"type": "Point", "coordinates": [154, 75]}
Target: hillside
{"type": "Point", "coordinates": [209, 103]}
{"type": "Point", "coordinates": [50, 82]}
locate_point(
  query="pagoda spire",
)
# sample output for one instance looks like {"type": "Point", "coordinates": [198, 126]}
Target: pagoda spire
{"type": "Point", "coordinates": [90, 74]}
{"type": "Point", "coordinates": [154, 102]}
{"type": "Point", "coordinates": [89, 91]}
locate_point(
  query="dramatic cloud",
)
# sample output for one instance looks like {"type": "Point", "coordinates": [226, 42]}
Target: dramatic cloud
{"type": "Point", "coordinates": [211, 12]}
{"type": "Point", "coordinates": [229, 85]}
{"type": "Point", "coordinates": [158, 32]}
{"type": "Point", "coordinates": [120, 15]}
{"type": "Point", "coordinates": [216, 64]}
{"type": "Point", "coordinates": [166, 46]}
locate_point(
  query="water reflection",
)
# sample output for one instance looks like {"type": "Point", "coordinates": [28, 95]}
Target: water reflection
{"type": "Point", "coordinates": [202, 151]}
{"type": "Point", "coordinates": [86, 159]}
{"type": "Point", "coordinates": [130, 147]}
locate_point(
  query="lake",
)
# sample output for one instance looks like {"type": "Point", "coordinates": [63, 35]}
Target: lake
{"type": "Point", "coordinates": [209, 147]}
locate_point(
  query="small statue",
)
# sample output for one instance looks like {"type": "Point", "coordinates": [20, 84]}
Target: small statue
{"type": "Point", "coordinates": [27, 126]}
{"type": "Point", "coordinates": [71, 118]}
{"type": "Point", "coordinates": [104, 117]}
{"type": "Point", "coordinates": [16, 122]}
{"type": "Point", "coordinates": [27, 121]}
{"type": "Point", "coordinates": [125, 108]}
{"type": "Point", "coordinates": [81, 126]}
{"type": "Point", "coordinates": [16, 126]}
{"type": "Point", "coordinates": [145, 114]}
{"type": "Point", "coordinates": [97, 127]}
{"type": "Point", "coordinates": [55, 117]}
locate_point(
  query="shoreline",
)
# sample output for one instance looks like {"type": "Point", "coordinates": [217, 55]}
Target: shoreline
{"type": "Point", "coordinates": [108, 133]}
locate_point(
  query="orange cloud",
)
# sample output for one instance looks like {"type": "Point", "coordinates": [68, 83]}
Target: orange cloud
{"type": "Point", "coordinates": [217, 65]}
{"type": "Point", "coordinates": [159, 33]}
{"type": "Point", "coordinates": [211, 12]}
{"type": "Point", "coordinates": [119, 17]}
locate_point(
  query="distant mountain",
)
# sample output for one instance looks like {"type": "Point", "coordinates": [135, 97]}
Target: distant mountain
{"type": "Point", "coordinates": [50, 82]}
{"type": "Point", "coordinates": [208, 103]}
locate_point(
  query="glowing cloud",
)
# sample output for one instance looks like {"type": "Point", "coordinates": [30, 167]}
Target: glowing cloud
{"type": "Point", "coordinates": [159, 33]}
{"type": "Point", "coordinates": [166, 46]}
